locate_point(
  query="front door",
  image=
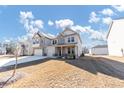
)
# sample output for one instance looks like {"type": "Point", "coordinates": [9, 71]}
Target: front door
{"type": "Point", "coordinates": [59, 52]}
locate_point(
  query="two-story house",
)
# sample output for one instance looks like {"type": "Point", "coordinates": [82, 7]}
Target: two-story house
{"type": "Point", "coordinates": [65, 43]}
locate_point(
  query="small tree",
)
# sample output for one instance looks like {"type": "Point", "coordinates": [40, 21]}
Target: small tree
{"type": "Point", "coordinates": [15, 66]}
{"type": "Point", "coordinates": [16, 57]}
{"type": "Point", "coordinates": [85, 50]}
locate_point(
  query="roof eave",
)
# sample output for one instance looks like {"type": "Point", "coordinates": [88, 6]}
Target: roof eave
{"type": "Point", "coordinates": [110, 26]}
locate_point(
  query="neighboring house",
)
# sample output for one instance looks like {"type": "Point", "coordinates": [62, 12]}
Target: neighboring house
{"type": "Point", "coordinates": [2, 50]}
{"type": "Point", "coordinates": [66, 42]}
{"type": "Point", "coordinates": [115, 38]}
{"type": "Point", "coordinates": [25, 48]}
{"type": "Point", "coordinates": [99, 50]}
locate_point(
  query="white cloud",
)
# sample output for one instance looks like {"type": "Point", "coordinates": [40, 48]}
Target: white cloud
{"type": "Point", "coordinates": [7, 41]}
{"type": "Point", "coordinates": [64, 23]}
{"type": "Point", "coordinates": [107, 12]}
{"type": "Point", "coordinates": [98, 36]}
{"type": "Point", "coordinates": [31, 25]}
{"type": "Point", "coordinates": [94, 34]}
{"type": "Point", "coordinates": [50, 23]}
{"type": "Point", "coordinates": [23, 38]}
{"type": "Point", "coordinates": [26, 15]}
{"type": "Point", "coordinates": [79, 28]}
{"type": "Point", "coordinates": [119, 8]}
{"type": "Point", "coordinates": [38, 23]}
{"type": "Point", "coordinates": [93, 18]}
{"type": "Point", "coordinates": [107, 20]}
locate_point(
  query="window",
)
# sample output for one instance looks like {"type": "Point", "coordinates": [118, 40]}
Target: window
{"type": "Point", "coordinates": [54, 42]}
{"type": "Point", "coordinates": [72, 39]}
{"type": "Point", "coordinates": [69, 39]}
{"type": "Point", "coordinates": [33, 42]}
{"type": "Point", "coordinates": [68, 50]}
{"type": "Point", "coordinates": [72, 50]}
{"type": "Point", "coordinates": [37, 41]}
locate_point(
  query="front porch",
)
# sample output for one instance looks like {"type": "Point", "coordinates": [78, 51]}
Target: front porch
{"type": "Point", "coordinates": [66, 51]}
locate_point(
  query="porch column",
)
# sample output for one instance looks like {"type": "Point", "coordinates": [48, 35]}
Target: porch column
{"type": "Point", "coordinates": [76, 51]}
{"type": "Point", "coordinates": [61, 50]}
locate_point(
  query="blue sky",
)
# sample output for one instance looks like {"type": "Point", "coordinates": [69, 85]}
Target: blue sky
{"type": "Point", "coordinates": [94, 18]}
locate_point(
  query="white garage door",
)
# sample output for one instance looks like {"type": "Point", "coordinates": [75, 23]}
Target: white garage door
{"type": "Point", "coordinates": [38, 52]}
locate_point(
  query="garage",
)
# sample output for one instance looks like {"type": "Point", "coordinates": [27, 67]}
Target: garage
{"type": "Point", "coordinates": [99, 50]}
{"type": "Point", "coordinates": [38, 52]}
{"type": "Point", "coordinates": [51, 51]}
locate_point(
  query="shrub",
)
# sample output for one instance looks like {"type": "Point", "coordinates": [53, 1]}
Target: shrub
{"type": "Point", "coordinates": [71, 56]}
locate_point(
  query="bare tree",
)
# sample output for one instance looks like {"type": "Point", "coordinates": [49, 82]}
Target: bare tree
{"type": "Point", "coordinates": [15, 66]}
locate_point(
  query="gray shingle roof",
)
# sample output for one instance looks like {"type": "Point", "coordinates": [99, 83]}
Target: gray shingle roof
{"type": "Point", "coordinates": [100, 46]}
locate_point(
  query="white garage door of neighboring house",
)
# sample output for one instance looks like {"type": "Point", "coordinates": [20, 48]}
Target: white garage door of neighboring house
{"type": "Point", "coordinates": [38, 52]}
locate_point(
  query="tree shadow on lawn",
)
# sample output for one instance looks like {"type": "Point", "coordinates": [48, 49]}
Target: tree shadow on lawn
{"type": "Point", "coordinates": [21, 65]}
{"type": "Point", "coordinates": [97, 65]}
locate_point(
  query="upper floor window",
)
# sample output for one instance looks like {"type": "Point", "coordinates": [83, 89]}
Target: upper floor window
{"type": "Point", "coordinates": [69, 39]}
{"type": "Point", "coordinates": [36, 42]}
{"type": "Point", "coordinates": [54, 42]}
{"type": "Point", "coordinates": [72, 39]}
{"type": "Point", "coordinates": [33, 42]}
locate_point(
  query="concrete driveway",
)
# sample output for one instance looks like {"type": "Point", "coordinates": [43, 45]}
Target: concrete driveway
{"type": "Point", "coordinates": [7, 61]}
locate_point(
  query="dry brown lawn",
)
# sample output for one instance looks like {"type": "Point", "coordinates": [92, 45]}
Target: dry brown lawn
{"type": "Point", "coordinates": [56, 73]}
{"type": "Point", "coordinates": [121, 59]}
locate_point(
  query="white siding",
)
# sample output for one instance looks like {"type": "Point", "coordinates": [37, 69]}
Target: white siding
{"type": "Point", "coordinates": [68, 32]}
{"type": "Point", "coordinates": [99, 51]}
{"type": "Point", "coordinates": [47, 41]}
{"type": "Point", "coordinates": [79, 45]}
{"type": "Point", "coordinates": [116, 38]}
